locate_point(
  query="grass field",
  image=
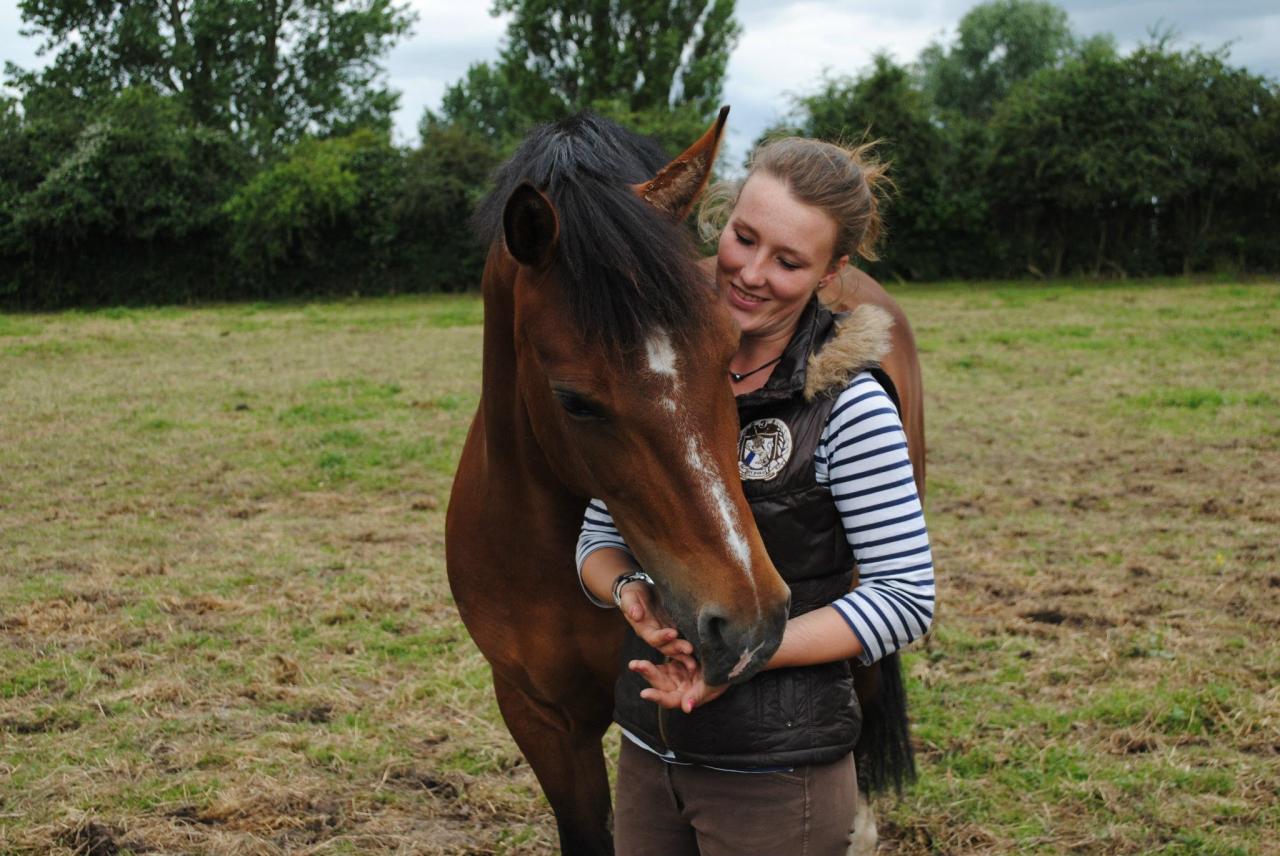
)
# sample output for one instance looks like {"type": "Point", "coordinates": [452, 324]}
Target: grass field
{"type": "Point", "coordinates": [225, 628]}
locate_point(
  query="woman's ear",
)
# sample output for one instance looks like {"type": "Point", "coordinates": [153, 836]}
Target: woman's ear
{"type": "Point", "coordinates": [833, 271]}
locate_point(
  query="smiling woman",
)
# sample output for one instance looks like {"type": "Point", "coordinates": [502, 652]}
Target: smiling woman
{"type": "Point", "coordinates": [824, 465]}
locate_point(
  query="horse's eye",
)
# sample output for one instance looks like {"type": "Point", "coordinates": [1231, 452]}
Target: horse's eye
{"type": "Point", "coordinates": [578, 406]}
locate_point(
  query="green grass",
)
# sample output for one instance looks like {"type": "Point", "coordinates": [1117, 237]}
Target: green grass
{"type": "Point", "coordinates": [225, 628]}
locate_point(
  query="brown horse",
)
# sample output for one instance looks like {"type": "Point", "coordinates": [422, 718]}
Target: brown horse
{"type": "Point", "coordinates": [605, 357]}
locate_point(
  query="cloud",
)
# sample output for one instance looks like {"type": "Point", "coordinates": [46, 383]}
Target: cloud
{"type": "Point", "coordinates": [786, 48]}
{"type": "Point", "coordinates": [787, 44]}
{"type": "Point", "coordinates": [448, 38]}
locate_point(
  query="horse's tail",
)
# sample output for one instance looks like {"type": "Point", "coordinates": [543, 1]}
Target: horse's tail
{"type": "Point", "coordinates": [883, 753]}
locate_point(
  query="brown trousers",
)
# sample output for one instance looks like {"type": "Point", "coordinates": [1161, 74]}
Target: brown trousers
{"type": "Point", "coordinates": [676, 810]}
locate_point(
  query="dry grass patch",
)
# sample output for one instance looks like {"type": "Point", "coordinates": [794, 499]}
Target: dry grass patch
{"type": "Point", "coordinates": [226, 627]}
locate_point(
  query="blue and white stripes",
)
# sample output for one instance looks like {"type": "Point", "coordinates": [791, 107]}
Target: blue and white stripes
{"type": "Point", "coordinates": [862, 456]}
{"type": "Point", "coordinates": [597, 531]}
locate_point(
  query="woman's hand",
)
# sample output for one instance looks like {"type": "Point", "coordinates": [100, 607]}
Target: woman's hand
{"type": "Point", "coordinates": [643, 616]}
{"type": "Point", "coordinates": [676, 684]}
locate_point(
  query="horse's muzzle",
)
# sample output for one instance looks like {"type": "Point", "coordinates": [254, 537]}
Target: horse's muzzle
{"type": "Point", "coordinates": [734, 651]}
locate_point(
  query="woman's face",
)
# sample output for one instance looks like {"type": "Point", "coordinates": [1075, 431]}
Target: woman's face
{"type": "Point", "coordinates": [773, 254]}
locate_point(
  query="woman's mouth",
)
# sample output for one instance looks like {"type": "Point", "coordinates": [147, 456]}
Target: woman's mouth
{"type": "Point", "coordinates": [744, 298]}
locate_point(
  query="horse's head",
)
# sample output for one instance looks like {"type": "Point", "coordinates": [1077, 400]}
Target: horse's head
{"type": "Point", "coordinates": [623, 352]}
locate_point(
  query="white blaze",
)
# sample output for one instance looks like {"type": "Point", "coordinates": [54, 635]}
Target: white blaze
{"type": "Point", "coordinates": [662, 361]}
{"type": "Point", "coordinates": [662, 357]}
{"type": "Point", "coordinates": [713, 486]}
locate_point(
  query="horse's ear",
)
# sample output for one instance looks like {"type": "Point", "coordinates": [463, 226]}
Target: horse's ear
{"type": "Point", "coordinates": [676, 186]}
{"type": "Point", "coordinates": [531, 226]}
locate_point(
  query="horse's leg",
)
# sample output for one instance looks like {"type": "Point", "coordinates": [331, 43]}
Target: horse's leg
{"type": "Point", "coordinates": [568, 759]}
{"type": "Point", "coordinates": [865, 837]}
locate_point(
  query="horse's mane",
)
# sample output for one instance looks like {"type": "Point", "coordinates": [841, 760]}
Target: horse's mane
{"type": "Point", "coordinates": [624, 267]}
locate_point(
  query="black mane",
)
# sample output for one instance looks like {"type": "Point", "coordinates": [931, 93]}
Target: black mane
{"type": "Point", "coordinates": [625, 269]}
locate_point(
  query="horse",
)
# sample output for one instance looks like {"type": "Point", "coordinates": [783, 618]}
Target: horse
{"type": "Point", "coordinates": [603, 375]}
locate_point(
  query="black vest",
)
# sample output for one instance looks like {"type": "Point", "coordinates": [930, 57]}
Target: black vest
{"type": "Point", "coordinates": [781, 717]}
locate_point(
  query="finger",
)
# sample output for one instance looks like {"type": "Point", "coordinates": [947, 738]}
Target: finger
{"type": "Point", "coordinates": [656, 677]}
{"type": "Point", "coordinates": [667, 700]}
{"type": "Point", "coordinates": [635, 610]}
{"type": "Point", "coordinates": [678, 649]}
{"type": "Point", "coordinates": [664, 639]}
{"type": "Point", "coordinates": [632, 605]}
{"type": "Point", "coordinates": [669, 651]}
{"type": "Point", "coordinates": [652, 638]}
{"type": "Point", "coordinates": [636, 597]}
{"type": "Point", "coordinates": [690, 665]}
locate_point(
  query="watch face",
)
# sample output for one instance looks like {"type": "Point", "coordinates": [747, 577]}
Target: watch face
{"type": "Point", "coordinates": [764, 447]}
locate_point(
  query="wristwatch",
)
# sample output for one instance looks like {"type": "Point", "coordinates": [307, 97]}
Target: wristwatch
{"type": "Point", "coordinates": [631, 577]}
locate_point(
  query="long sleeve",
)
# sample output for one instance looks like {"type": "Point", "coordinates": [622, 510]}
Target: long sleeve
{"type": "Point", "coordinates": [597, 531]}
{"type": "Point", "coordinates": [862, 457]}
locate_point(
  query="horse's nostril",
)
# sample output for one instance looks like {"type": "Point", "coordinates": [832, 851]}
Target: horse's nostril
{"type": "Point", "coordinates": [712, 627]}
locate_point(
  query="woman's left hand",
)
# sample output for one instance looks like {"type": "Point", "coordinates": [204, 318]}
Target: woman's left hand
{"type": "Point", "coordinates": [674, 684]}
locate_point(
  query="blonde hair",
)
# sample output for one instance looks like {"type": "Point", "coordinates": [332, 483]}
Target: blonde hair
{"type": "Point", "coordinates": [847, 183]}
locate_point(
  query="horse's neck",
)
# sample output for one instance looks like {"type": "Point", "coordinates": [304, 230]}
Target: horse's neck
{"type": "Point", "coordinates": [512, 450]}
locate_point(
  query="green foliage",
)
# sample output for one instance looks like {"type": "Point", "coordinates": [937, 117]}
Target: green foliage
{"type": "Point", "coordinates": [938, 203]}
{"type": "Point", "coordinates": [1132, 164]}
{"type": "Point", "coordinates": [660, 62]}
{"type": "Point", "coordinates": [268, 73]}
{"type": "Point", "coordinates": [227, 148]}
{"type": "Point", "coordinates": [997, 45]}
{"type": "Point", "coordinates": [650, 54]}
{"type": "Point", "coordinates": [1021, 149]}
{"type": "Point", "coordinates": [443, 180]}
{"type": "Point", "coordinates": [322, 195]}
{"type": "Point", "coordinates": [139, 182]}
{"type": "Point", "coordinates": [138, 172]}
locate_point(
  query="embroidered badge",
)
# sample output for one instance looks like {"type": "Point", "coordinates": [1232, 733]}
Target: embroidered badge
{"type": "Point", "coordinates": [764, 447]}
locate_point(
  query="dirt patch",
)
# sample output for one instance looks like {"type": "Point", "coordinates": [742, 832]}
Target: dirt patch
{"type": "Point", "coordinates": [425, 780]}
{"type": "Point", "coordinates": [45, 724]}
{"type": "Point", "coordinates": [1055, 616]}
{"type": "Point", "coordinates": [93, 838]}
{"type": "Point", "coordinates": [315, 714]}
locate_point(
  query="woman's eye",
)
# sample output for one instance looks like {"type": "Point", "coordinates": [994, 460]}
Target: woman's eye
{"type": "Point", "coordinates": [788, 265]}
{"type": "Point", "coordinates": [746, 242]}
{"type": "Point", "coordinates": [579, 407]}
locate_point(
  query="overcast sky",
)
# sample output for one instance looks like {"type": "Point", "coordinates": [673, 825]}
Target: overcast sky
{"type": "Point", "coordinates": [787, 44]}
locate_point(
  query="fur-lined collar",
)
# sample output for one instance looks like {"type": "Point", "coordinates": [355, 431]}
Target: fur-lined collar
{"type": "Point", "coordinates": [861, 340]}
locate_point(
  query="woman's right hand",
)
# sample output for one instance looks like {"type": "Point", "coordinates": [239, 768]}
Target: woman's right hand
{"type": "Point", "coordinates": [675, 685]}
{"type": "Point", "coordinates": [646, 619]}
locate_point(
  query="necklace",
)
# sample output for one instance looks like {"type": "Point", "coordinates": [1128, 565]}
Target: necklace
{"type": "Point", "coordinates": [739, 377]}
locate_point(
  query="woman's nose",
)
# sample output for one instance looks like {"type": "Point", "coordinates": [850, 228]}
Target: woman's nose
{"type": "Point", "coordinates": [753, 271]}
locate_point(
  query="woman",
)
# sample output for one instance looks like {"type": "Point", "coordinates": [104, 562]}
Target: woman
{"type": "Point", "coordinates": [766, 767]}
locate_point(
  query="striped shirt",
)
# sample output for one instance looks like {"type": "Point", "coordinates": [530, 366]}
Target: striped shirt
{"type": "Point", "coordinates": [862, 457]}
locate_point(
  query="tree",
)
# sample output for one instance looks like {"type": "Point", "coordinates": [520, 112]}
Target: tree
{"type": "Point", "coordinates": [1070, 166]}
{"type": "Point", "coordinates": [268, 71]}
{"type": "Point", "coordinates": [125, 207]}
{"type": "Point", "coordinates": [444, 179]}
{"type": "Point", "coordinates": [937, 216]}
{"type": "Point", "coordinates": [997, 44]}
{"type": "Point", "coordinates": [627, 58]}
{"type": "Point", "coordinates": [319, 214]}
{"type": "Point", "coordinates": [1151, 163]}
